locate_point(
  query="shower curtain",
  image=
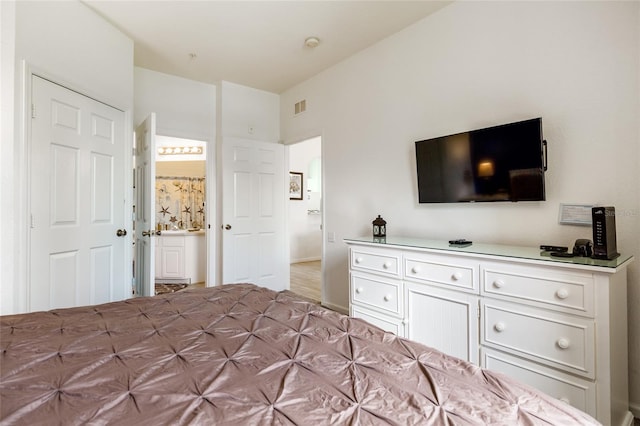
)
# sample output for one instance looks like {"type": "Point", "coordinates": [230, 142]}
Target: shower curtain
{"type": "Point", "coordinates": [180, 202]}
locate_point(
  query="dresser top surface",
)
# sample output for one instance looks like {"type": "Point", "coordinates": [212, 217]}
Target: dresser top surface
{"type": "Point", "coordinates": [499, 250]}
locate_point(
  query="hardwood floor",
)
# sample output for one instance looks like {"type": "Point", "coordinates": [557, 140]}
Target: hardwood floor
{"type": "Point", "coordinates": [305, 280]}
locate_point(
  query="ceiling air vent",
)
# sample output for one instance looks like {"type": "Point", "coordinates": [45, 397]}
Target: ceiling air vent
{"type": "Point", "coordinates": [300, 107]}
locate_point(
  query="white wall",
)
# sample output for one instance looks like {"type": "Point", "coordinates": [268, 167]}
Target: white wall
{"type": "Point", "coordinates": [68, 40]}
{"type": "Point", "coordinates": [184, 108]}
{"type": "Point", "coordinates": [471, 65]}
{"type": "Point", "coordinates": [70, 44]}
{"type": "Point", "coordinates": [8, 296]}
{"type": "Point", "coordinates": [249, 113]}
{"type": "Point", "coordinates": [305, 233]}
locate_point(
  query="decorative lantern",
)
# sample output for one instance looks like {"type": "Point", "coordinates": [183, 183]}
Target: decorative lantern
{"type": "Point", "coordinates": [379, 227]}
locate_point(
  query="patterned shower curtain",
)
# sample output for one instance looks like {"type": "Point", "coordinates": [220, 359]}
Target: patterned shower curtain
{"type": "Point", "coordinates": [180, 202]}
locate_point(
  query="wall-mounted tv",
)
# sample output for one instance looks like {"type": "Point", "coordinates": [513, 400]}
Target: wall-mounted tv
{"type": "Point", "coordinates": [500, 163]}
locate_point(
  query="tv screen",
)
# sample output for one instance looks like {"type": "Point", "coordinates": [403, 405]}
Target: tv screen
{"type": "Point", "coordinates": [500, 163]}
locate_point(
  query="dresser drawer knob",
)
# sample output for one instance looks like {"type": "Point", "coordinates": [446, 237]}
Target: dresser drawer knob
{"type": "Point", "coordinates": [386, 265]}
{"type": "Point", "coordinates": [563, 343]}
{"type": "Point", "coordinates": [359, 290]}
{"type": "Point", "coordinates": [359, 260]}
{"type": "Point", "coordinates": [563, 293]}
{"type": "Point", "coordinates": [500, 327]}
{"type": "Point", "coordinates": [457, 276]}
{"type": "Point", "coordinates": [415, 269]}
{"type": "Point", "coordinates": [498, 283]}
{"type": "Point", "coordinates": [387, 298]}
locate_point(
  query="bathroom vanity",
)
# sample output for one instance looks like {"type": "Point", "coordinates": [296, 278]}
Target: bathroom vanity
{"type": "Point", "coordinates": [181, 257]}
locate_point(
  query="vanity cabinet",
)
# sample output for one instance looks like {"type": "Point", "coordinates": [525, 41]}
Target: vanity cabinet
{"type": "Point", "coordinates": [170, 257]}
{"type": "Point", "coordinates": [558, 325]}
{"type": "Point", "coordinates": [180, 257]}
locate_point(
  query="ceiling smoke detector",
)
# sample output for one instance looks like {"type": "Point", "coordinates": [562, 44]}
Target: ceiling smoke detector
{"type": "Point", "coordinates": [312, 42]}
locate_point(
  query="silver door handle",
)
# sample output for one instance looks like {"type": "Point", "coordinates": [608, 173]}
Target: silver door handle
{"type": "Point", "coordinates": [121, 232]}
{"type": "Point", "coordinates": [150, 233]}
{"type": "Point", "coordinates": [227, 227]}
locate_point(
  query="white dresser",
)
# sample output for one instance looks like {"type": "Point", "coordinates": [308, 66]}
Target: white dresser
{"type": "Point", "coordinates": [558, 324]}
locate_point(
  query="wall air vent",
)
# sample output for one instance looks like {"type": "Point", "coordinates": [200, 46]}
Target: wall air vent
{"type": "Point", "coordinates": [300, 107]}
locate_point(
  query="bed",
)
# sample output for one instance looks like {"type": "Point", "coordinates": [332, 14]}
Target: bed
{"type": "Point", "coordinates": [241, 354]}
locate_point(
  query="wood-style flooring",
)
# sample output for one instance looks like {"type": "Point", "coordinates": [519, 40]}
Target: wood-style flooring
{"type": "Point", "coordinates": [305, 280]}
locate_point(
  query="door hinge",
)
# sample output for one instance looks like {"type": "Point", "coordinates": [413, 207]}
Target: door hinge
{"type": "Point", "coordinates": [33, 110]}
{"type": "Point", "coordinates": [32, 223]}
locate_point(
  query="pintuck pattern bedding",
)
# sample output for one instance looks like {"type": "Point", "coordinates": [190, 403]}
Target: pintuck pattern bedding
{"type": "Point", "coordinates": [243, 355]}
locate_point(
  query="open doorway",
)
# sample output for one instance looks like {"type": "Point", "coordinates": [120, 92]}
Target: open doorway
{"type": "Point", "coordinates": [305, 218]}
{"type": "Point", "coordinates": [180, 188]}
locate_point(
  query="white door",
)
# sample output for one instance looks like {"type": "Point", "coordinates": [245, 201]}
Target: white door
{"type": "Point", "coordinates": [145, 207]}
{"type": "Point", "coordinates": [253, 235]}
{"type": "Point", "coordinates": [77, 200]}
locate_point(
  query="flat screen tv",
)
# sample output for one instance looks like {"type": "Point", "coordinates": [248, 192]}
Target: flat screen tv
{"type": "Point", "coordinates": [500, 163]}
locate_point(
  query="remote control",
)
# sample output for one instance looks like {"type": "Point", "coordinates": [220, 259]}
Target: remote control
{"type": "Point", "coordinates": [460, 242]}
{"type": "Point", "coordinates": [554, 248]}
{"type": "Point", "coordinates": [561, 254]}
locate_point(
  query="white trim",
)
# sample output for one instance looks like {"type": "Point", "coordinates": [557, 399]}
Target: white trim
{"type": "Point", "coordinates": [336, 308]}
{"type": "Point", "coordinates": [22, 173]}
{"type": "Point", "coordinates": [305, 259]}
{"type": "Point", "coordinates": [628, 419]}
{"type": "Point", "coordinates": [9, 163]}
{"type": "Point", "coordinates": [635, 409]}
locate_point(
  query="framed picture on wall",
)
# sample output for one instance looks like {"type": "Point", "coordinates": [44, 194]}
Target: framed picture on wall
{"type": "Point", "coordinates": [295, 186]}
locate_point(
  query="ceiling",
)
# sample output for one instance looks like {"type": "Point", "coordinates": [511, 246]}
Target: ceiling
{"type": "Point", "coordinates": [259, 44]}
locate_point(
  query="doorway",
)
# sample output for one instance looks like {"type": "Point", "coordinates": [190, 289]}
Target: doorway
{"type": "Point", "coordinates": [180, 188]}
{"type": "Point", "coordinates": [305, 218]}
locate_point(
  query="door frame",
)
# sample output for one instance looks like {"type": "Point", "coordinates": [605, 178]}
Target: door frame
{"type": "Point", "coordinates": [323, 209]}
{"type": "Point", "coordinates": [211, 189]}
{"type": "Point", "coordinates": [22, 284]}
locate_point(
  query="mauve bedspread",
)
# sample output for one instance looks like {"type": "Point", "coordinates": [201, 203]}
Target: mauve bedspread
{"type": "Point", "coordinates": [242, 355]}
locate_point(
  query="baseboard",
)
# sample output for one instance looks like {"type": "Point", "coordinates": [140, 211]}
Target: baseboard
{"type": "Point", "coordinates": [336, 308]}
{"type": "Point", "coordinates": [634, 407]}
{"type": "Point", "coordinates": [306, 259]}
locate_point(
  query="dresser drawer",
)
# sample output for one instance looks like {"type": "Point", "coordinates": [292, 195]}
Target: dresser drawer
{"type": "Point", "coordinates": [578, 392]}
{"type": "Point", "coordinates": [393, 325]}
{"type": "Point", "coordinates": [548, 288]}
{"type": "Point", "coordinates": [442, 270]}
{"type": "Point", "coordinates": [371, 259]}
{"type": "Point", "coordinates": [377, 292]}
{"type": "Point", "coordinates": [563, 341]}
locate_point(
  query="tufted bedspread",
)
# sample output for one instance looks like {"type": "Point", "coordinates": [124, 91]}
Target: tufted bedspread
{"type": "Point", "coordinates": [243, 355]}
